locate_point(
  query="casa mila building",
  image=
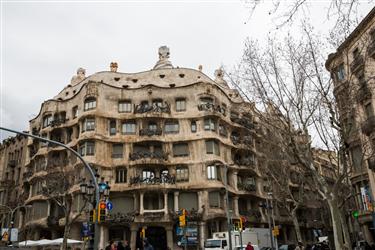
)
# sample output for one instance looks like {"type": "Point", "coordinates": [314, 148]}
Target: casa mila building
{"type": "Point", "coordinates": [165, 139]}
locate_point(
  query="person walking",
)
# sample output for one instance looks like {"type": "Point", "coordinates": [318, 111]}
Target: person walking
{"type": "Point", "coordinates": [126, 245]}
{"type": "Point", "coordinates": [120, 246]}
{"type": "Point", "coordinates": [249, 246]}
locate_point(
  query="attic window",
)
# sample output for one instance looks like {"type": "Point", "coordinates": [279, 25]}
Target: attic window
{"type": "Point", "coordinates": [66, 93]}
{"type": "Point", "coordinates": [69, 86]}
{"type": "Point", "coordinates": [182, 75]}
{"type": "Point", "coordinates": [161, 76]}
{"type": "Point", "coordinates": [172, 85]}
{"type": "Point", "coordinates": [117, 79]}
{"type": "Point", "coordinates": [74, 91]}
{"type": "Point", "coordinates": [125, 86]}
{"type": "Point", "coordinates": [60, 99]}
{"type": "Point", "coordinates": [134, 80]}
{"type": "Point", "coordinates": [198, 77]}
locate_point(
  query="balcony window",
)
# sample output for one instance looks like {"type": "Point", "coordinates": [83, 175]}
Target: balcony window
{"type": "Point", "coordinates": [214, 199]}
{"type": "Point", "coordinates": [75, 112]}
{"type": "Point", "coordinates": [124, 106]}
{"type": "Point", "coordinates": [206, 100]}
{"type": "Point", "coordinates": [112, 127]}
{"type": "Point", "coordinates": [171, 127]}
{"type": "Point", "coordinates": [182, 174]}
{"type": "Point", "coordinates": [157, 103]}
{"type": "Point", "coordinates": [147, 175]}
{"type": "Point", "coordinates": [180, 105]}
{"type": "Point", "coordinates": [129, 127]}
{"type": "Point", "coordinates": [209, 124]}
{"type": "Point", "coordinates": [90, 103]}
{"type": "Point", "coordinates": [180, 149]}
{"type": "Point", "coordinates": [212, 172]}
{"type": "Point", "coordinates": [152, 126]}
{"type": "Point", "coordinates": [87, 148]}
{"type": "Point", "coordinates": [47, 120]}
{"type": "Point", "coordinates": [117, 150]}
{"type": "Point", "coordinates": [340, 73]}
{"type": "Point", "coordinates": [121, 175]}
{"type": "Point", "coordinates": [193, 126]}
{"type": "Point", "coordinates": [212, 147]}
{"type": "Point", "coordinates": [88, 124]}
{"type": "Point", "coordinates": [164, 175]}
{"type": "Point", "coordinates": [223, 130]}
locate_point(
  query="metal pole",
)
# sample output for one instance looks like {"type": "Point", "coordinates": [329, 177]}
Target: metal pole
{"type": "Point", "coordinates": [273, 222]}
{"type": "Point", "coordinates": [269, 222]}
{"type": "Point", "coordinates": [185, 245]}
{"type": "Point", "coordinates": [227, 201]}
{"type": "Point", "coordinates": [87, 166]}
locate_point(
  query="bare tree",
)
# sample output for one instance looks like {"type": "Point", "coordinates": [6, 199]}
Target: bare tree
{"type": "Point", "coordinates": [290, 75]}
{"type": "Point", "coordinates": [59, 185]}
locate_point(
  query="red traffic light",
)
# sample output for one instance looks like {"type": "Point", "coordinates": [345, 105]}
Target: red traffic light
{"type": "Point", "coordinates": [102, 205]}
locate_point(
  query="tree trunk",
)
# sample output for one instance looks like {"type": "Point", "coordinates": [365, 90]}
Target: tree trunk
{"type": "Point", "coordinates": [296, 225]}
{"type": "Point", "coordinates": [336, 223]}
{"type": "Point", "coordinates": [64, 245]}
{"type": "Point", "coordinates": [345, 229]}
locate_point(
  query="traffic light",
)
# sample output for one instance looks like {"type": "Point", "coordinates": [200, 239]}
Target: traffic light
{"type": "Point", "coordinates": [102, 211]}
{"type": "Point", "coordinates": [355, 214]}
{"type": "Point", "coordinates": [92, 216]}
{"type": "Point", "coordinates": [143, 233]}
{"type": "Point", "coordinates": [275, 231]}
{"type": "Point", "coordinates": [182, 218]}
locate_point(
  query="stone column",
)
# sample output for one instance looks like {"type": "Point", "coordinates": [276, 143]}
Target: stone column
{"type": "Point", "coordinates": [48, 208]}
{"type": "Point", "coordinates": [141, 208]}
{"type": "Point", "coordinates": [236, 212]}
{"type": "Point", "coordinates": [133, 236]}
{"type": "Point", "coordinates": [285, 234]}
{"type": "Point", "coordinates": [176, 194]}
{"type": "Point", "coordinates": [202, 233]}
{"type": "Point", "coordinates": [136, 203]}
{"type": "Point", "coordinates": [169, 230]}
{"type": "Point", "coordinates": [165, 203]}
{"type": "Point", "coordinates": [235, 180]}
{"type": "Point", "coordinates": [30, 191]}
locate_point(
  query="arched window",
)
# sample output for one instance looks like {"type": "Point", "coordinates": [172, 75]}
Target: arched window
{"type": "Point", "coordinates": [90, 103]}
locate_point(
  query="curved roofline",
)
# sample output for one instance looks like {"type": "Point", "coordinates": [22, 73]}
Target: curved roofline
{"type": "Point", "coordinates": [144, 86]}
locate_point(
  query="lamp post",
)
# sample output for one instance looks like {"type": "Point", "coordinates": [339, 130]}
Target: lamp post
{"type": "Point", "coordinates": [273, 220]}
{"type": "Point", "coordinates": [229, 225]}
{"type": "Point", "coordinates": [85, 164]}
{"type": "Point", "coordinates": [11, 222]}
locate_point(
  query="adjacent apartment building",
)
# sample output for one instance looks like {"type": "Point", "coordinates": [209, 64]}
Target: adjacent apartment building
{"type": "Point", "coordinates": [165, 140]}
{"type": "Point", "coordinates": [352, 69]}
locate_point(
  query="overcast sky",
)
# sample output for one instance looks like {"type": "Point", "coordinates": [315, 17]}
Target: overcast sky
{"type": "Point", "coordinates": [43, 43]}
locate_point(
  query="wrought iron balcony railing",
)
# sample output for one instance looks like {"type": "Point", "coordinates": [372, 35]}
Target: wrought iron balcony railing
{"type": "Point", "coordinates": [143, 108]}
{"type": "Point", "coordinates": [211, 107]}
{"type": "Point", "coordinates": [147, 154]}
{"type": "Point", "coordinates": [164, 179]}
{"type": "Point", "coordinates": [150, 132]}
{"type": "Point", "coordinates": [247, 186]}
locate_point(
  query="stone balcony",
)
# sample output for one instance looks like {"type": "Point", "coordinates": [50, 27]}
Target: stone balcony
{"type": "Point", "coordinates": [368, 125]}
{"type": "Point", "coordinates": [357, 64]}
{"type": "Point", "coordinates": [247, 185]}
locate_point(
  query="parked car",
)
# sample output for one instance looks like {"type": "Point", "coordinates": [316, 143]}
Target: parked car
{"type": "Point", "coordinates": [267, 248]}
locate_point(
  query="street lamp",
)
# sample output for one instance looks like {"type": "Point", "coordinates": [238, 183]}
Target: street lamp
{"type": "Point", "coordinates": [11, 222]}
{"type": "Point", "coordinates": [85, 164]}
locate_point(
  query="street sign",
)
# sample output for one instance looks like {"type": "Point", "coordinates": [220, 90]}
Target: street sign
{"type": "Point", "coordinates": [4, 234]}
{"type": "Point", "coordinates": [109, 205]}
{"type": "Point", "coordinates": [14, 234]}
